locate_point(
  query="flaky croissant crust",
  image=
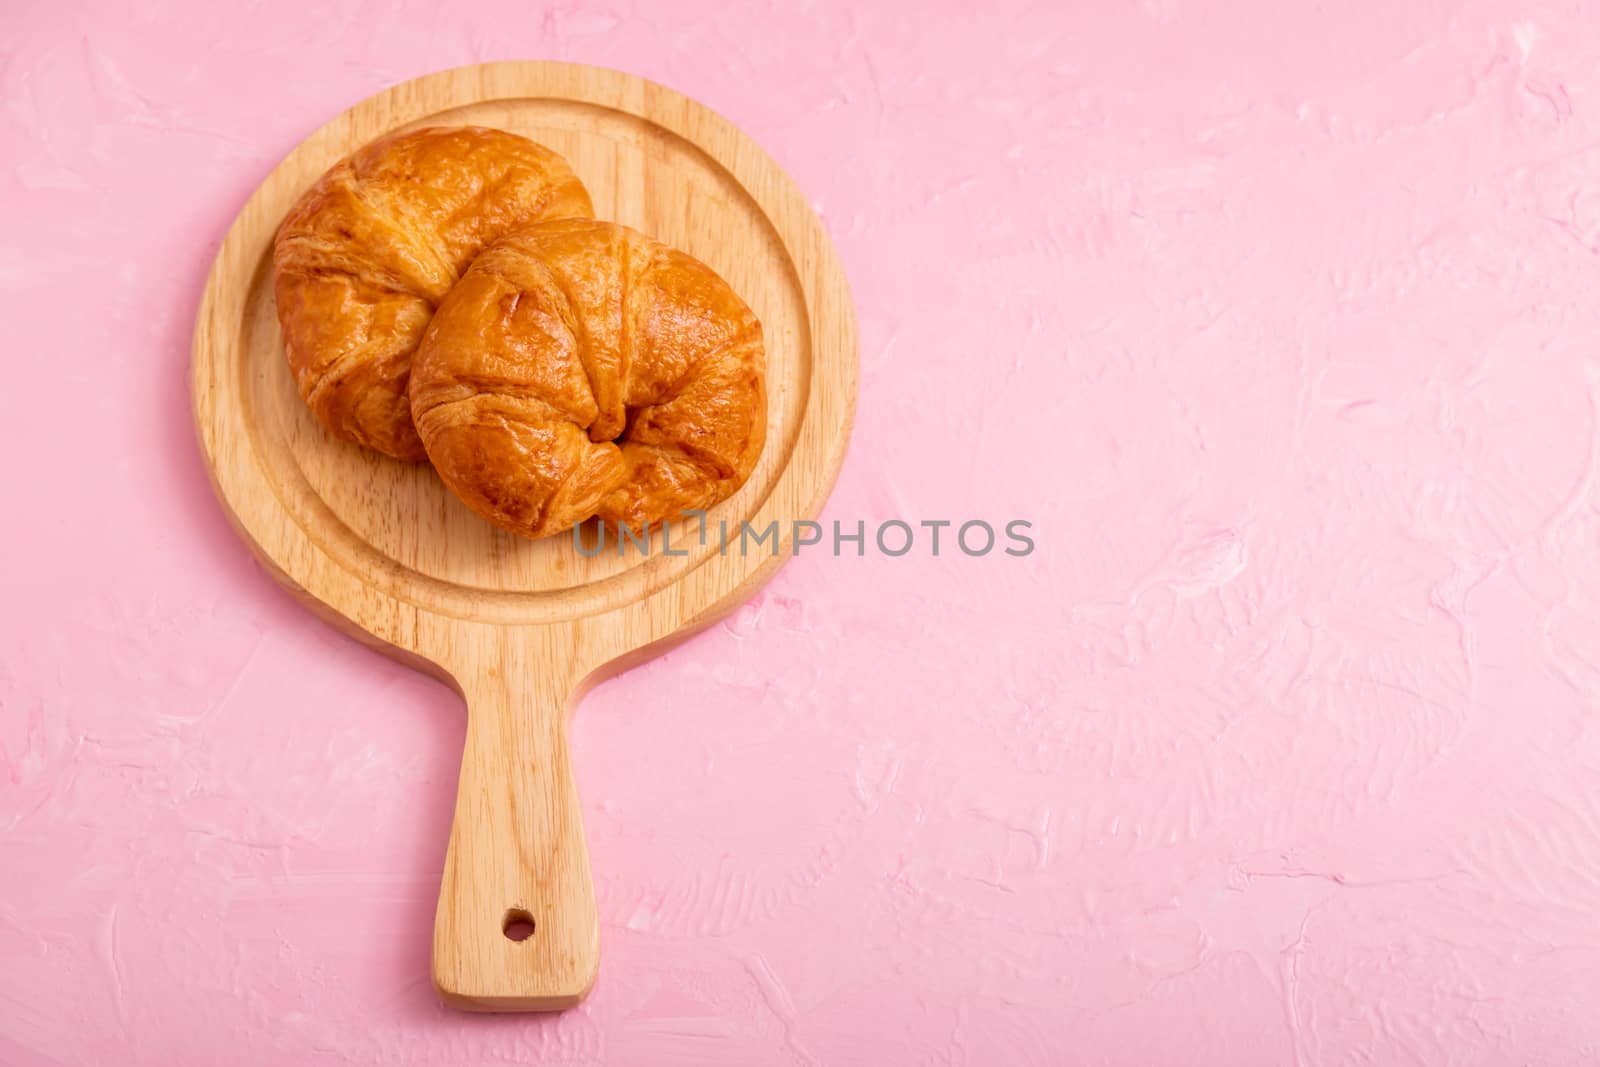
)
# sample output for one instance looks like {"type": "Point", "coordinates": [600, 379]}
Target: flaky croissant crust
{"type": "Point", "coordinates": [365, 256]}
{"type": "Point", "coordinates": [580, 368]}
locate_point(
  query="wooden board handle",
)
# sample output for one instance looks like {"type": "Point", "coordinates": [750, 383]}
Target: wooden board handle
{"type": "Point", "coordinates": [517, 865]}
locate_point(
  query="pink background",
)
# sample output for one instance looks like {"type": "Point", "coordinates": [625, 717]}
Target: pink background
{"type": "Point", "coordinates": [1279, 321]}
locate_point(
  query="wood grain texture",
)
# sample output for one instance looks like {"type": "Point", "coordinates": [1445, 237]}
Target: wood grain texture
{"type": "Point", "coordinates": [520, 628]}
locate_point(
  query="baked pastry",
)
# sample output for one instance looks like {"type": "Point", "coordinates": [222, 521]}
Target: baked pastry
{"type": "Point", "coordinates": [368, 252]}
{"type": "Point", "coordinates": [581, 368]}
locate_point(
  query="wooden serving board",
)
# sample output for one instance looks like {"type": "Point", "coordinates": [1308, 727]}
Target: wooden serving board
{"type": "Point", "coordinates": [520, 628]}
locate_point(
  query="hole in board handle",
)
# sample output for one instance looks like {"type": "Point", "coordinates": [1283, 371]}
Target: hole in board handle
{"type": "Point", "coordinates": [517, 925]}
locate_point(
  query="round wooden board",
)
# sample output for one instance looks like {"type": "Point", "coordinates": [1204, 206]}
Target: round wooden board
{"type": "Point", "coordinates": [383, 550]}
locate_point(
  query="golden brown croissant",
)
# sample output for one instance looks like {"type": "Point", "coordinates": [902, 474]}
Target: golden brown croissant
{"type": "Point", "coordinates": [581, 368]}
{"type": "Point", "coordinates": [368, 252]}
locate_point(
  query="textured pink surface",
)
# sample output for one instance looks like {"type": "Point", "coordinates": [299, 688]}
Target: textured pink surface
{"type": "Point", "coordinates": [1280, 323]}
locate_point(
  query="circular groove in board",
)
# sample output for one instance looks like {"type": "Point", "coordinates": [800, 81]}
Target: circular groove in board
{"type": "Point", "coordinates": [371, 514]}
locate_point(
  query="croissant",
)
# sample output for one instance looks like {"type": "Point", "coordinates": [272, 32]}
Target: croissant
{"type": "Point", "coordinates": [364, 257]}
{"type": "Point", "coordinates": [580, 368]}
